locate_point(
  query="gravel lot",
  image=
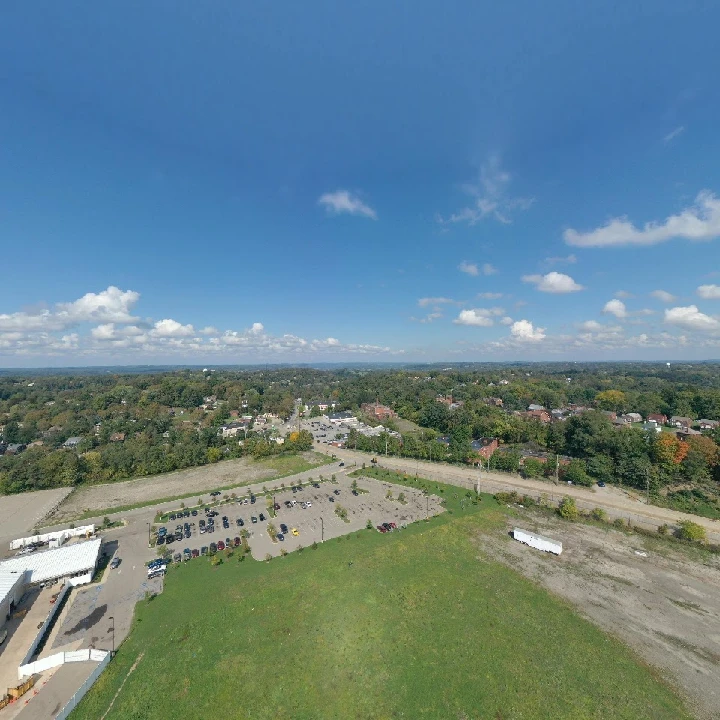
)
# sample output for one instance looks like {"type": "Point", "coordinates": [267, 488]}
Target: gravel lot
{"type": "Point", "coordinates": [20, 513]}
{"type": "Point", "coordinates": [666, 606]}
{"type": "Point", "coordinates": [200, 479]}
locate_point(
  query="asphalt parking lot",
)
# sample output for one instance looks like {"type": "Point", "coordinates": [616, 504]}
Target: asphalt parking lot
{"type": "Point", "coordinates": [313, 524]}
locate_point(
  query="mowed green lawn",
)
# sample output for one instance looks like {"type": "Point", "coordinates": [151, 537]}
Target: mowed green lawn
{"type": "Point", "coordinates": [420, 625]}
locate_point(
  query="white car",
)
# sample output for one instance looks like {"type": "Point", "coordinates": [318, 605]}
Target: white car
{"type": "Point", "coordinates": [307, 505]}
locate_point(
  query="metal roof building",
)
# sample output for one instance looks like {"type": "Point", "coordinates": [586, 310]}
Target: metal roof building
{"type": "Point", "coordinates": [12, 586]}
{"type": "Point", "coordinates": [66, 561]}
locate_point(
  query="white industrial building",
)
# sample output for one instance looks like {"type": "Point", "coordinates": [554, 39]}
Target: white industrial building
{"type": "Point", "coordinates": [75, 562]}
{"type": "Point", "coordinates": [537, 541]}
{"type": "Point", "coordinates": [12, 587]}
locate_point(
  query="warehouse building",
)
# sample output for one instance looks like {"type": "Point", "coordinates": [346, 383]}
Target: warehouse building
{"type": "Point", "coordinates": [12, 587]}
{"type": "Point", "coordinates": [75, 563]}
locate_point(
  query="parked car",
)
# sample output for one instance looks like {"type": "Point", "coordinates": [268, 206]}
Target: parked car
{"type": "Point", "coordinates": [169, 539]}
{"type": "Point", "coordinates": [601, 484]}
{"type": "Point", "coordinates": [220, 545]}
{"type": "Point", "coordinates": [280, 537]}
{"type": "Point", "coordinates": [204, 550]}
{"type": "Point", "coordinates": [252, 499]}
{"type": "Point", "coordinates": [295, 532]}
{"type": "Point", "coordinates": [342, 464]}
{"type": "Point", "coordinates": [213, 548]}
{"type": "Point", "coordinates": [195, 553]}
{"type": "Point", "coordinates": [214, 493]}
{"type": "Point", "coordinates": [381, 529]}
{"type": "Point", "coordinates": [114, 563]}
{"type": "Point", "coordinates": [283, 528]}
{"type": "Point", "coordinates": [262, 517]}
{"type": "Point", "coordinates": [337, 492]}
{"type": "Point", "coordinates": [194, 513]}
{"type": "Point", "coordinates": [160, 540]}
{"type": "Point", "coordinates": [187, 554]}
{"type": "Point", "coordinates": [254, 520]}
{"type": "Point", "coordinates": [177, 557]}
{"type": "Point", "coordinates": [239, 522]}
{"type": "Point", "coordinates": [172, 516]}
{"type": "Point", "coordinates": [316, 485]}
{"type": "Point", "coordinates": [331, 498]}
{"type": "Point", "coordinates": [236, 541]}
{"type": "Point", "coordinates": [276, 506]}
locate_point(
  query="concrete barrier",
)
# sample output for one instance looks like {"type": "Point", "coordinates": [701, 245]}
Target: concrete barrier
{"type": "Point", "coordinates": [82, 690]}
{"type": "Point", "coordinates": [44, 627]}
{"type": "Point", "coordinates": [56, 535]}
{"type": "Point", "coordinates": [60, 659]}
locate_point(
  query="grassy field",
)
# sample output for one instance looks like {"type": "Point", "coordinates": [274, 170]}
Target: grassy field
{"type": "Point", "coordinates": [414, 624]}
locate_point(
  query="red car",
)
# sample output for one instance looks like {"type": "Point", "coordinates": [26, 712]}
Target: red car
{"type": "Point", "coordinates": [221, 545]}
{"type": "Point", "coordinates": [196, 553]}
{"type": "Point", "coordinates": [236, 541]}
{"type": "Point", "coordinates": [393, 526]}
{"type": "Point", "coordinates": [381, 529]}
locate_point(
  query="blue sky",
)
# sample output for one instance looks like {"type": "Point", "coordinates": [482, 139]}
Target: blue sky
{"type": "Point", "coordinates": [241, 182]}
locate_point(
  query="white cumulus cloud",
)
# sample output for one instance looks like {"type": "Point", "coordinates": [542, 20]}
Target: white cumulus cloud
{"type": "Point", "coordinates": [616, 308]}
{"type": "Point", "coordinates": [663, 296]}
{"type": "Point", "coordinates": [478, 317]}
{"type": "Point", "coordinates": [700, 221]}
{"type": "Point", "coordinates": [691, 318]}
{"type": "Point", "coordinates": [468, 268]}
{"type": "Point", "coordinates": [524, 330]}
{"type": "Point", "coordinates": [553, 282]}
{"type": "Point", "coordinates": [709, 292]}
{"type": "Point", "coordinates": [342, 201]}
{"type": "Point", "coordinates": [425, 301]}
{"type": "Point", "coordinates": [171, 328]}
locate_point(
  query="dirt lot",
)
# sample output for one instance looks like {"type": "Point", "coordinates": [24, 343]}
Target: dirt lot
{"type": "Point", "coordinates": [666, 605]}
{"type": "Point", "coordinates": [193, 480]}
{"type": "Point", "coordinates": [21, 513]}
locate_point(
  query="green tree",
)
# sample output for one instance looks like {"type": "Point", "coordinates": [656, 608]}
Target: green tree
{"type": "Point", "coordinates": [692, 531]}
{"type": "Point", "coordinates": [568, 509]}
{"type": "Point", "coordinates": [532, 467]}
{"type": "Point", "coordinates": [576, 473]}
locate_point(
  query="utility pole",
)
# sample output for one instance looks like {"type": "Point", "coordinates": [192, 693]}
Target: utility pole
{"type": "Point", "coordinates": [148, 534]}
{"type": "Point", "coordinates": [557, 469]}
{"type": "Point", "coordinates": [386, 445]}
{"type": "Point", "coordinates": [647, 486]}
{"type": "Point", "coordinates": [322, 530]}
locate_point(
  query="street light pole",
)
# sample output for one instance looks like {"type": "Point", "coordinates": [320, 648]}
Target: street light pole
{"type": "Point", "coordinates": [148, 534]}
{"type": "Point", "coordinates": [322, 531]}
{"type": "Point", "coordinates": [113, 635]}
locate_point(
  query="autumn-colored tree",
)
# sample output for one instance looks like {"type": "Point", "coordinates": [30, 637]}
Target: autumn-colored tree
{"type": "Point", "coordinates": [706, 447]}
{"type": "Point", "coordinates": [669, 450]}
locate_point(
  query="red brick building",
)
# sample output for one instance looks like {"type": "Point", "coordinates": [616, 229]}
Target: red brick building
{"type": "Point", "coordinates": [378, 411]}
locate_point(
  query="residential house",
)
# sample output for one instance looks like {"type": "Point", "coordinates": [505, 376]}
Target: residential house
{"type": "Point", "coordinates": [72, 442]}
{"type": "Point", "coordinates": [232, 429]}
{"type": "Point", "coordinates": [651, 427]}
{"type": "Point", "coordinates": [36, 443]}
{"type": "Point", "coordinates": [534, 406]}
{"type": "Point", "coordinates": [708, 424]}
{"type": "Point", "coordinates": [621, 421]}
{"type": "Point", "coordinates": [14, 449]}
{"type": "Point", "coordinates": [485, 447]}
{"type": "Point", "coordinates": [685, 433]}
{"type": "Point", "coordinates": [234, 413]}
{"type": "Point", "coordinates": [610, 415]}
{"type": "Point", "coordinates": [681, 422]}
{"type": "Point", "coordinates": [117, 437]}
{"type": "Point", "coordinates": [542, 415]}
{"type": "Point", "coordinates": [493, 401]}
{"type": "Point", "coordinates": [558, 414]}
{"type": "Point", "coordinates": [633, 417]}
{"type": "Point", "coordinates": [504, 382]}
{"type": "Point", "coordinates": [378, 411]}
{"type": "Point", "coordinates": [448, 401]}
{"type": "Point", "coordinates": [657, 418]}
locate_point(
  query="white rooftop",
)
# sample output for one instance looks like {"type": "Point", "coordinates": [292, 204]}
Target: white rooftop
{"type": "Point", "coordinates": [7, 582]}
{"type": "Point", "coordinates": [59, 562]}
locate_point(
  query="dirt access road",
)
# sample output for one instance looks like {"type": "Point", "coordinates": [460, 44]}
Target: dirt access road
{"type": "Point", "coordinates": [664, 604]}
{"type": "Point", "coordinates": [615, 501]}
{"type": "Point", "coordinates": [198, 480]}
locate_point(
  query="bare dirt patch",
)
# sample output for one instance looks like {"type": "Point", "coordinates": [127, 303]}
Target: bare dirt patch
{"type": "Point", "coordinates": [200, 480]}
{"type": "Point", "coordinates": [21, 513]}
{"type": "Point", "coordinates": [665, 605]}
